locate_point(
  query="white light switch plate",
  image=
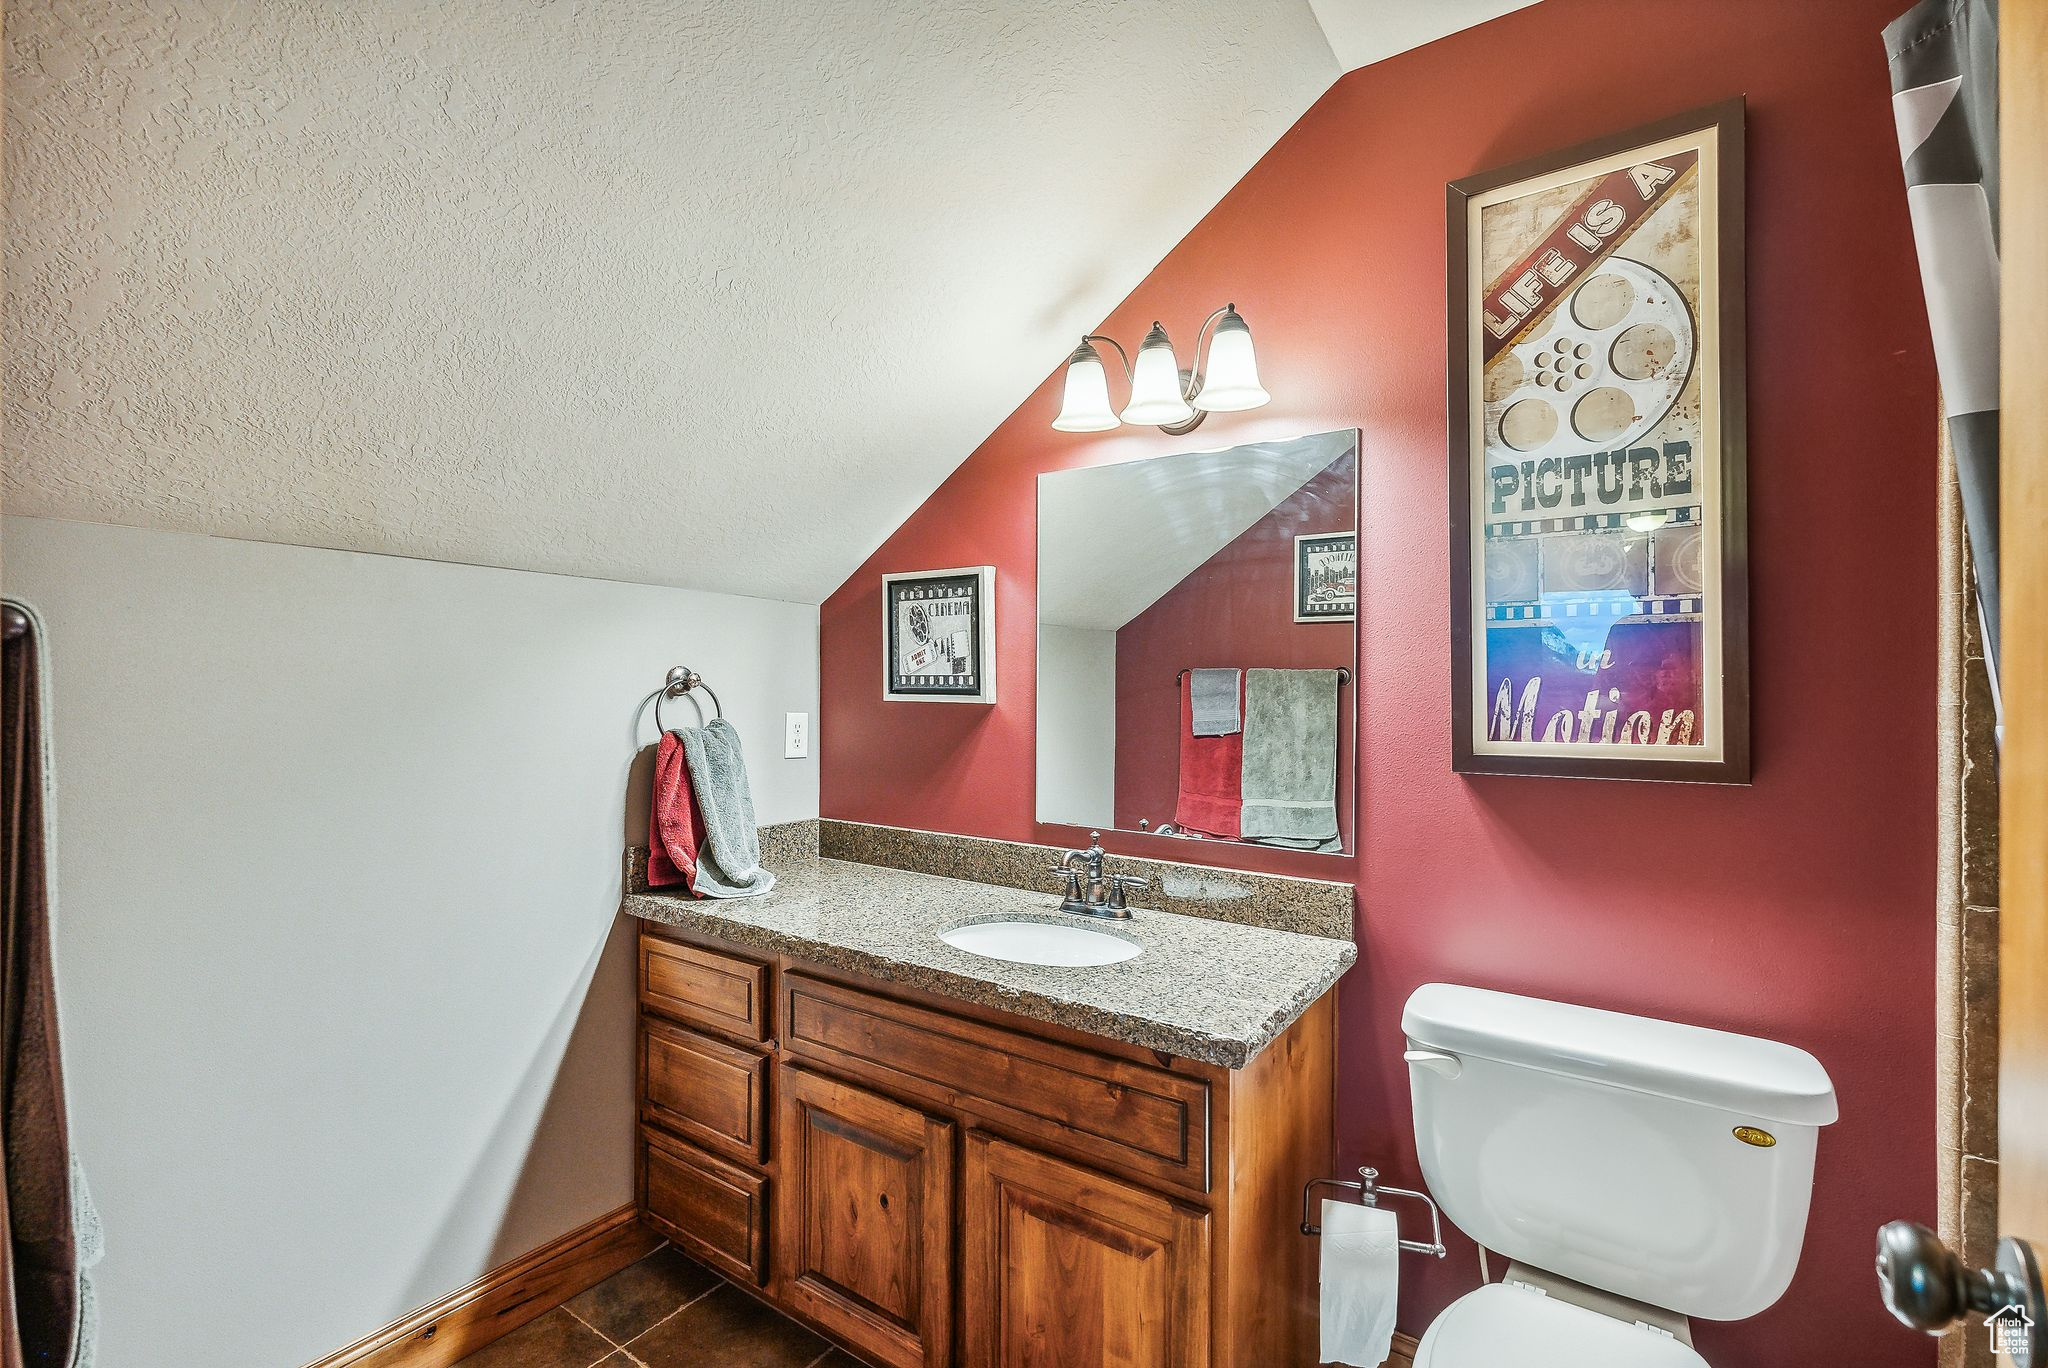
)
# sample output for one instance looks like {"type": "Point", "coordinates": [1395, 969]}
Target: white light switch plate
{"type": "Point", "coordinates": [796, 735]}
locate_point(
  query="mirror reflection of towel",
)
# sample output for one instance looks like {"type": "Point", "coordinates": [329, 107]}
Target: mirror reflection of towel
{"type": "Point", "coordinates": [1215, 694]}
{"type": "Point", "coordinates": [1207, 801]}
{"type": "Point", "coordinates": [1290, 757]}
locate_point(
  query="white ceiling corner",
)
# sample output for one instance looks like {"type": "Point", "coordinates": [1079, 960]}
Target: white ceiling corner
{"type": "Point", "coordinates": [1362, 32]}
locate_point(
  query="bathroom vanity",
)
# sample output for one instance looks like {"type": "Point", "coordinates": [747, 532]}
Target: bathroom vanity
{"type": "Point", "coordinates": [936, 1158]}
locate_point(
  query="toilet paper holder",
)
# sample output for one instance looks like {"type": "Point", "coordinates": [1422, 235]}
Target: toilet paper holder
{"type": "Point", "coordinates": [1370, 1190]}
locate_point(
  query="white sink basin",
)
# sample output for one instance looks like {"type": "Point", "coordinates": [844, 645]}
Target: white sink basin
{"type": "Point", "coordinates": [1032, 942]}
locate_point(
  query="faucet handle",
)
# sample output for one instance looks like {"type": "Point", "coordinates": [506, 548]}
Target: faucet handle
{"type": "Point", "coordinates": [1118, 883]}
{"type": "Point", "coordinates": [1075, 898]}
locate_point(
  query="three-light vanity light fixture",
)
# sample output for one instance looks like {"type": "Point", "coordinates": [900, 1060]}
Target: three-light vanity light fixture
{"type": "Point", "coordinates": [1162, 394]}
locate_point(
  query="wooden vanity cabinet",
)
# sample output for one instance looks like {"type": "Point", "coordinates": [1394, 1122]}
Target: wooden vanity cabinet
{"type": "Point", "coordinates": [864, 1222]}
{"type": "Point", "coordinates": [711, 1209]}
{"type": "Point", "coordinates": [932, 1183]}
{"type": "Point", "coordinates": [1066, 1266]}
{"type": "Point", "coordinates": [704, 1090]}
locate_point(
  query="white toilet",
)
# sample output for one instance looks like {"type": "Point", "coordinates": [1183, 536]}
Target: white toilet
{"type": "Point", "coordinates": [1636, 1173]}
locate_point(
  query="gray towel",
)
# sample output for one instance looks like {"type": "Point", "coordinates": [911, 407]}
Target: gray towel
{"type": "Point", "coordinates": [729, 865]}
{"type": "Point", "coordinates": [1290, 756]}
{"type": "Point", "coordinates": [1324, 846]}
{"type": "Point", "coordinates": [1212, 698]}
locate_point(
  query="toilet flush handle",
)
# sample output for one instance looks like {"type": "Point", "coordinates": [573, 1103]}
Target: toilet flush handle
{"type": "Point", "coordinates": [1436, 1061]}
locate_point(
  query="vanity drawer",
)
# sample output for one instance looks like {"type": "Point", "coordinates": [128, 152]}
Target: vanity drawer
{"type": "Point", "coordinates": [705, 1090]}
{"type": "Point", "coordinates": [1110, 1112]}
{"type": "Point", "coordinates": [713, 1210]}
{"type": "Point", "coordinates": [708, 988]}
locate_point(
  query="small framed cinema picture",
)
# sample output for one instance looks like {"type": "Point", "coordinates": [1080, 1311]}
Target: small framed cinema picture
{"type": "Point", "coordinates": [939, 636]}
{"type": "Point", "coordinates": [1599, 543]}
{"type": "Point", "coordinates": [1326, 577]}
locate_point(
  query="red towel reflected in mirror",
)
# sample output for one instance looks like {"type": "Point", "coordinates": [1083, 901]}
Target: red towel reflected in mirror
{"type": "Point", "coordinates": [1210, 800]}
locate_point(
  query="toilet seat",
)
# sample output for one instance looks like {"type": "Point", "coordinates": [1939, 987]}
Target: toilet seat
{"type": "Point", "coordinates": [1505, 1325]}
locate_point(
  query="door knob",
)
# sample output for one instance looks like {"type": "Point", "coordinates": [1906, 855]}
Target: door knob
{"type": "Point", "coordinates": [1927, 1287]}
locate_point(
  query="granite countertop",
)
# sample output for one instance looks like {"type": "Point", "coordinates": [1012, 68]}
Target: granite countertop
{"type": "Point", "coordinates": [1203, 989]}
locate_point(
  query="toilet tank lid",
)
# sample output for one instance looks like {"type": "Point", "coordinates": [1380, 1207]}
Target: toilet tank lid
{"type": "Point", "coordinates": [1737, 1073]}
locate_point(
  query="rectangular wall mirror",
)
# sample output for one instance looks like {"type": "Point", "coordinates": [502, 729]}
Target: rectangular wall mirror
{"type": "Point", "coordinates": [1197, 644]}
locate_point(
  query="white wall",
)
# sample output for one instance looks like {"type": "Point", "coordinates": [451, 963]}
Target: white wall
{"type": "Point", "coordinates": [1076, 725]}
{"type": "Point", "coordinates": [347, 1004]}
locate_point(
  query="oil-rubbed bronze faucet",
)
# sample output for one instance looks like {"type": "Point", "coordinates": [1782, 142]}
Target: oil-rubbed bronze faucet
{"type": "Point", "coordinates": [1090, 892]}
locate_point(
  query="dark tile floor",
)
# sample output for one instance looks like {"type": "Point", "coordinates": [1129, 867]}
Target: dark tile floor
{"type": "Point", "coordinates": [664, 1312]}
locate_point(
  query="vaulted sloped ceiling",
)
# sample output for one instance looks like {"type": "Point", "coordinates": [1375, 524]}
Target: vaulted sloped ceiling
{"type": "Point", "coordinates": [706, 294]}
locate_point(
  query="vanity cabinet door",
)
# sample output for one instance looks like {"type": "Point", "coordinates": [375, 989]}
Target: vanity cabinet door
{"type": "Point", "coordinates": [1065, 1266]}
{"type": "Point", "coordinates": [864, 1221]}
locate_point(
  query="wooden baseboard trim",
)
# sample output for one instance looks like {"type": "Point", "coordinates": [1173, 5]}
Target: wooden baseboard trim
{"type": "Point", "coordinates": [504, 1299]}
{"type": "Point", "coordinates": [1403, 1355]}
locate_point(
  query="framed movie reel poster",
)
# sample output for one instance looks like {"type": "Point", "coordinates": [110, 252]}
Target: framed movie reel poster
{"type": "Point", "coordinates": [1599, 576]}
{"type": "Point", "coordinates": [939, 636]}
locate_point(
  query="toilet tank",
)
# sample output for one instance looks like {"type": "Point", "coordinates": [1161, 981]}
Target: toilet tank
{"type": "Point", "coordinates": [1666, 1163]}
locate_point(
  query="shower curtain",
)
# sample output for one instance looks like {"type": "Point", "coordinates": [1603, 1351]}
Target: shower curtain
{"type": "Point", "coordinates": [1944, 68]}
{"type": "Point", "coordinates": [39, 1256]}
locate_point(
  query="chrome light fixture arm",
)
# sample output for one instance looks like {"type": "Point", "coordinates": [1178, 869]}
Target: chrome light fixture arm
{"type": "Point", "coordinates": [1164, 395]}
{"type": "Point", "coordinates": [1191, 378]}
{"type": "Point", "coordinates": [1121, 354]}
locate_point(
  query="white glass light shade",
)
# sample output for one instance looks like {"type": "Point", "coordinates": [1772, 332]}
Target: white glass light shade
{"type": "Point", "coordinates": [1156, 395]}
{"type": "Point", "coordinates": [1648, 519]}
{"type": "Point", "coordinates": [1086, 405]}
{"type": "Point", "coordinates": [1231, 380]}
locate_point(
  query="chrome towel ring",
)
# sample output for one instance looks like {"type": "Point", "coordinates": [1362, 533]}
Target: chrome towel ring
{"type": "Point", "coordinates": [682, 680]}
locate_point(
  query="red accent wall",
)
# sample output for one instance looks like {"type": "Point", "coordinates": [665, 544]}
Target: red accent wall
{"type": "Point", "coordinates": [1236, 611]}
{"type": "Point", "coordinates": [1800, 908]}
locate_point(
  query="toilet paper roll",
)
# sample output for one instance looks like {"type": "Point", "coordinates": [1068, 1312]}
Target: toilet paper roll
{"type": "Point", "coordinates": [1361, 1279]}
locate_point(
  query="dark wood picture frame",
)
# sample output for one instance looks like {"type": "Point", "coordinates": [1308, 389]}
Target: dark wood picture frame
{"type": "Point", "coordinates": [1723, 123]}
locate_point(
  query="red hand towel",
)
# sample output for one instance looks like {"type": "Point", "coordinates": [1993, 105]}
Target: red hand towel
{"type": "Point", "coordinates": [676, 828]}
{"type": "Point", "coordinates": [1211, 798]}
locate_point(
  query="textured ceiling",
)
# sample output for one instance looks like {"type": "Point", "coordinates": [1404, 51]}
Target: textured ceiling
{"type": "Point", "coordinates": [707, 294]}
